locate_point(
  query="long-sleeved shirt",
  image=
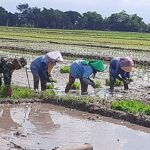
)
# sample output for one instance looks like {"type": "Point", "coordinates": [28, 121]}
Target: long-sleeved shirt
{"type": "Point", "coordinates": [40, 65]}
{"type": "Point", "coordinates": [115, 69]}
{"type": "Point", "coordinates": [78, 70]}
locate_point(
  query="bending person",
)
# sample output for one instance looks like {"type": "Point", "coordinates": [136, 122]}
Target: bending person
{"type": "Point", "coordinates": [7, 67]}
{"type": "Point", "coordinates": [41, 68]}
{"type": "Point", "coordinates": [120, 68]}
{"type": "Point", "coordinates": [82, 70]}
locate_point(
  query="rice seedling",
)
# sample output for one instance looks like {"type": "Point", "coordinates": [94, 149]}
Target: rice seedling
{"type": "Point", "coordinates": [65, 69]}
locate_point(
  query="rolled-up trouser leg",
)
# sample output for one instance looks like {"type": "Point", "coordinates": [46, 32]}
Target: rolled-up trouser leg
{"type": "Point", "coordinates": [69, 84]}
{"type": "Point", "coordinates": [43, 85]}
{"type": "Point", "coordinates": [84, 87]}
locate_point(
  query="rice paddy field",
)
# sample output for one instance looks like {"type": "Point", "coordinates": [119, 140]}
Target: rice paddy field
{"type": "Point", "coordinates": [24, 123]}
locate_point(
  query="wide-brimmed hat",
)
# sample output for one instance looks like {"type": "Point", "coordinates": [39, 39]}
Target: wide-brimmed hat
{"type": "Point", "coordinates": [126, 64]}
{"type": "Point", "coordinates": [55, 56]}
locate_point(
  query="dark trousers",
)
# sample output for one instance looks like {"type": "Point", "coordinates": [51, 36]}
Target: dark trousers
{"type": "Point", "coordinates": [84, 86]}
{"type": "Point", "coordinates": [112, 83]}
{"type": "Point", "coordinates": [36, 79]}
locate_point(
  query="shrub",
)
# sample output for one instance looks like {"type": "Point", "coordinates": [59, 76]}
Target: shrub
{"type": "Point", "coordinates": [65, 69]}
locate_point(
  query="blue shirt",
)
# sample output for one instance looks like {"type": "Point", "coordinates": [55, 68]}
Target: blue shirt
{"type": "Point", "coordinates": [78, 70]}
{"type": "Point", "coordinates": [40, 66]}
{"type": "Point", "coordinates": [115, 69]}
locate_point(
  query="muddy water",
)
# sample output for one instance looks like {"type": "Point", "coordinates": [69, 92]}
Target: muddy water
{"type": "Point", "coordinates": [139, 89]}
{"type": "Point", "coordinates": [44, 126]}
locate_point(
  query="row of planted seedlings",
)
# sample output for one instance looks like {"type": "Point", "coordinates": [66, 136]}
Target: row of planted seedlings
{"type": "Point", "coordinates": [77, 49]}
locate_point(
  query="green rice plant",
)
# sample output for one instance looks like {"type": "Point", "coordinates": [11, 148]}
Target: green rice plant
{"type": "Point", "coordinates": [98, 84]}
{"type": "Point", "coordinates": [147, 110]}
{"type": "Point", "coordinates": [65, 69]}
{"type": "Point", "coordinates": [131, 106]}
{"type": "Point", "coordinates": [3, 92]}
{"type": "Point", "coordinates": [22, 93]}
{"type": "Point", "coordinates": [50, 86]}
{"type": "Point", "coordinates": [75, 85]}
{"type": "Point", "coordinates": [47, 93]}
{"type": "Point", "coordinates": [117, 83]}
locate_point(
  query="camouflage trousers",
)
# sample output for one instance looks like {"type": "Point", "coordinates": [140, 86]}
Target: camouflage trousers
{"type": "Point", "coordinates": [0, 79]}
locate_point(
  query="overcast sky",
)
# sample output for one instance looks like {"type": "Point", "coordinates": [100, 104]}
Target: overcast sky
{"type": "Point", "coordinates": [103, 7]}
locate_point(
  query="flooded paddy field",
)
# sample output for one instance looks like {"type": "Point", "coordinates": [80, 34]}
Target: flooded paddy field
{"type": "Point", "coordinates": [139, 88]}
{"type": "Point", "coordinates": [44, 126]}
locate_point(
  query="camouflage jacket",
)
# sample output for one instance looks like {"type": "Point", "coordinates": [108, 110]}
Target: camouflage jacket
{"type": "Point", "coordinates": [6, 68]}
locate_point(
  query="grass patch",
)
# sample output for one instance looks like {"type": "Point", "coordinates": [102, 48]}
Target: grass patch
{"type": "Point", "coordinates": [131, 106]}
{"type": "Point", "coordinates": [65, 69]}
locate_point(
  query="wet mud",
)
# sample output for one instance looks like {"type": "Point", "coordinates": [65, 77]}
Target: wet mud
{"type": "Point", "coordinates": [44, 127]}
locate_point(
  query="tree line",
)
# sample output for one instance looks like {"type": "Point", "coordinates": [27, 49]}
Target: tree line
{"type": "Point", "coordinates": [55, 19]}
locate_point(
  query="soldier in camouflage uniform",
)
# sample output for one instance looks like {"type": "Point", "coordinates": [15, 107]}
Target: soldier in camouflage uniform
{"type": "Point", "coordinates": [7, 67]}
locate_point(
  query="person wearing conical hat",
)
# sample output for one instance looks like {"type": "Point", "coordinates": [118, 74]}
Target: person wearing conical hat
{"type": "Point", "coordinates": [120, 68]}
{"type": "Point", "coordinates": [7, 67]}
{"type": "Point", "coordinates": [41, 68]}
{"type": "Point", "coordinates": [82, 69]}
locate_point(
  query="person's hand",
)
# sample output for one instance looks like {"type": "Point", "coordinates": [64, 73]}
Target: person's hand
{"type": "Point", "coordinates": [52, 80]}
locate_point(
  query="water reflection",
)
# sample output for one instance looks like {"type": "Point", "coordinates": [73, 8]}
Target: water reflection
{"type": "Point", "coordinates": [49, 126]}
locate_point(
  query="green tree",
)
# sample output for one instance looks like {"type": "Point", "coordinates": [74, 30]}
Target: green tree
{"type": "Point", "coordinates": [92, 20]}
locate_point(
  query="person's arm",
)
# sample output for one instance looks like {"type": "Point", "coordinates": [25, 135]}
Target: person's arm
{"type": "Point", "coordinates": [87, 72]}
